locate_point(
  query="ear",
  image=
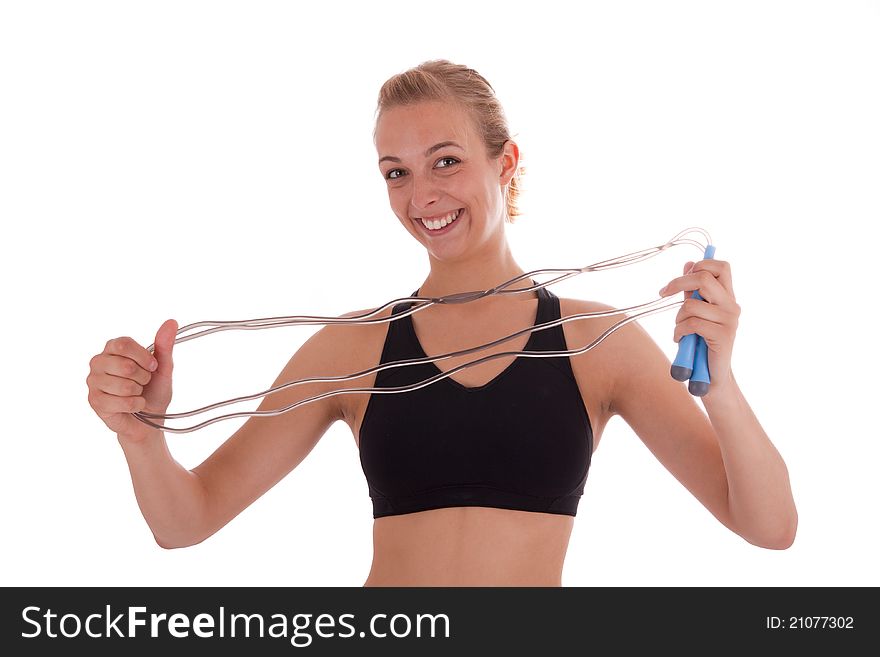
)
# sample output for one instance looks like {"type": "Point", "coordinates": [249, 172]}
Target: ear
{"type": "Point", "coordinates": [509, 160]}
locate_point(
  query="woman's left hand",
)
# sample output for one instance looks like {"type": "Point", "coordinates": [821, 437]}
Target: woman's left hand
{"type": "Point", "coordinates": [715, 319]}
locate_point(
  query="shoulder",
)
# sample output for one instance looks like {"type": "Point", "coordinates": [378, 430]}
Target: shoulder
{"type": "Point", "coordinates": [347, 348]}
{"type": "Point", "coordinates": [625, 355]}
{"type": "Point", "coordinates": [598, 319]}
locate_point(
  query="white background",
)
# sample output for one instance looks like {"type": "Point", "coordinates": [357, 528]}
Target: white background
{"type": "Point", "coordinates": [214, 160]}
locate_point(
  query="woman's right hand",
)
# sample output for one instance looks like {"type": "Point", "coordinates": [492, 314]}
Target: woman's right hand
{"type": "Point", "coordinates": [121, 381]}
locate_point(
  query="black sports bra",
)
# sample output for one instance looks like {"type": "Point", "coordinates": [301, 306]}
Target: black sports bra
{"type": "Point", "coordinates": [522, 441]}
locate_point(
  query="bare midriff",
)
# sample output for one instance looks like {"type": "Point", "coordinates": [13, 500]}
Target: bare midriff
{"type": "Point", "coordinates": [469, 546]}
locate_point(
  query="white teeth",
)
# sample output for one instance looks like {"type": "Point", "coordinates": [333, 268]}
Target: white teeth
{"type": "Point", "coordinates": [437, 224]}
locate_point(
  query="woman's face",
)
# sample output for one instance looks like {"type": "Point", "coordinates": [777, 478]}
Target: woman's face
{"type": "Point", "coordinates": [434, 163]}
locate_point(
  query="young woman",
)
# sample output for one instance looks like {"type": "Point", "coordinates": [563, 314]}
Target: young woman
{"type": "Point", "coordinates": [476, 478]}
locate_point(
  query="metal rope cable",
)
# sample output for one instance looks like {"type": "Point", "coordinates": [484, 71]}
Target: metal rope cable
{"type": "Point", "coordinates": [462, 297]}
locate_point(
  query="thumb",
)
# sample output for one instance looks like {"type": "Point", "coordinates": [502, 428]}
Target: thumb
{"type": "Point", "coordinates": [164, 345]}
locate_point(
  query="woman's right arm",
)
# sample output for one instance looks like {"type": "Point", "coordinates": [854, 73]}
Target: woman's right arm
{"type": "Point", "coordinates": [183, 507]}
{"type": "Point", "coordinates": [171, 498]}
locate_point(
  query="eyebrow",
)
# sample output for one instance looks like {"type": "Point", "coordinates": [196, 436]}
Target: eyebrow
{"type": "Point", "coordinates": [435, 147]}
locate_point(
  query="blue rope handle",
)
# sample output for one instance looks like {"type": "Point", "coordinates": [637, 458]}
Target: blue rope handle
{"type": "Point", "coordinates": [692, 360]}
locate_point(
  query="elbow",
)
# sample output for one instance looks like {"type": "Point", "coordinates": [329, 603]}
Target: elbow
{"type": "Point", "coordinates": [781, 544]}
{"type": "Point", "coordinates": [783, 539]}
{"type": "Point", "coordinates": [169, 544]}
{"type": "Point", "coordinates": [788, 538]}
{"type": "Point", "coordinates": [166, 544]}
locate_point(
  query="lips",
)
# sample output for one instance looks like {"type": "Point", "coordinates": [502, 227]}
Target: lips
{"type": "Point", "coordinates": [445, 229]}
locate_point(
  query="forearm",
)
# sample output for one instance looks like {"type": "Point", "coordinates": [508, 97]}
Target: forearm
{"type": "Point", "coordinates": [171, 498]}
{"type": "Point", "coordinates": [760, 500]}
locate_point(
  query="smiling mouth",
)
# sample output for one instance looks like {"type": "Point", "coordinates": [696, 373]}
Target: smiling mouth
{"type": "Point", "coordinates": [442, 224]}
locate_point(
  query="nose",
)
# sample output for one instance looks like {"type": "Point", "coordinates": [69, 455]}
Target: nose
{"type": "Point", "coordinates": [424, 196]}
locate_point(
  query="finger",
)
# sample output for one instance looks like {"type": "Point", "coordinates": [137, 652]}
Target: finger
{"type": "Point", "coordinates": [712, 332]}
{"type": "Point", "coordinates": [117, 385]}
{"type": "Point", "coordinates": [721, 270]}
{"type": "Point", "coordinates": [702, 310]}
{"type": "Point", "coordinates": [124, 367]}
{"type": "Point", "coordinates": [688, 266]}
{"type": "Point", "coordinates": [106, 403]}
{"type": "Point", "coordinates": [703, 282]}
{"type": "Point", "coordinates": [127, 347]}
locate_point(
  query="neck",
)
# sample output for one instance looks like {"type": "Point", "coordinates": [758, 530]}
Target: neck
{"type": "Point", "coordinates": [482, 270]}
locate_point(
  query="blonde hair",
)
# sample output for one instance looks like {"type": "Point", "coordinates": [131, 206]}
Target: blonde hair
{"type": "Point", "coordinates": [440, 79]}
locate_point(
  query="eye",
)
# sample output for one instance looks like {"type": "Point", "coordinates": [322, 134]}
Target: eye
{"type": "Point", "coordinates": [453, 160]}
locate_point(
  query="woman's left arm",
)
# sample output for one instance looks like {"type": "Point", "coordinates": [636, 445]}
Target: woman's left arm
{"type": "Point", "coordinates": [759, 491]}
{"type": "Point", "coordinates": [726, 460]}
